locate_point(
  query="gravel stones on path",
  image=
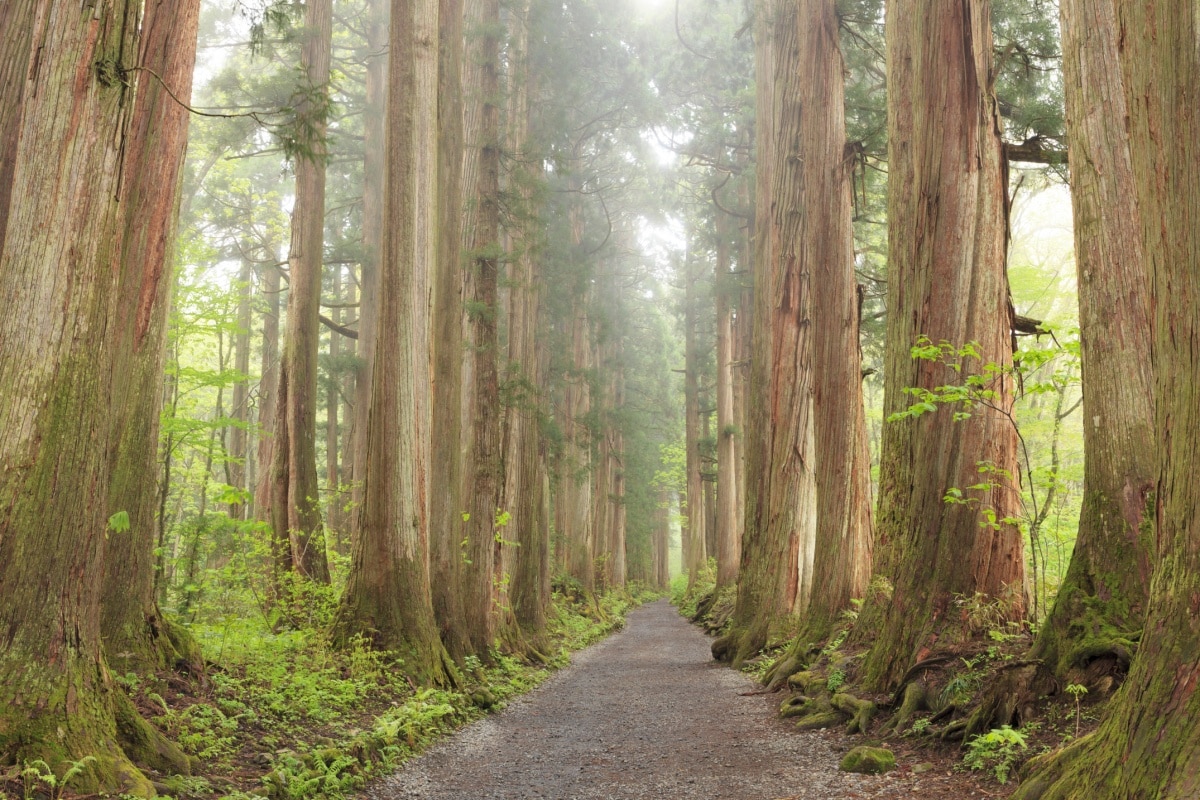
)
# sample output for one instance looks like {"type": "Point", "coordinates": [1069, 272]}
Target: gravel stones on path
{"type": "Point", "coordinates": [644, 714]}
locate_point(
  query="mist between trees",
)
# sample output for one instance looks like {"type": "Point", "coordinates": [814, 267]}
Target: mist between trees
{"type": "Point", "coordinates": [410, 341]}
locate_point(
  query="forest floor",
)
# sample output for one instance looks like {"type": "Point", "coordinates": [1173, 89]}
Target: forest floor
{"type": "Point", "coordinates": [647, 714]}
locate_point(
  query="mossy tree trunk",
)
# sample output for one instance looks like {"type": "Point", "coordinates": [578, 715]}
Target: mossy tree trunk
{"type": "Point", "coordinates": [1148, 744]}
{"type": "Point", "coordinates": [445, 505]}
{"type": "Point", "coordinates": [387, 598]}
{"type": "Point", "coordinates": [777, 546]}
{"type": "Point", "coordinates": [1101, 604]}
{"type": "Point", "coordinates": [295, 496]}
{"type": "Point", "coordinates": [61, 265]}
{"type": "Point", "coordinates": [947, 214]}
{"type": "Point", "coordinates": [481, 381]}
{"type": "Point", "coordinates": [842, 562]}
{"type": "Point", "coordinates": [137, 637]}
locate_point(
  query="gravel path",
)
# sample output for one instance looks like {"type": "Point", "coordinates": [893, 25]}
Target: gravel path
{"type": "Point", "coordinates": [644, 714]}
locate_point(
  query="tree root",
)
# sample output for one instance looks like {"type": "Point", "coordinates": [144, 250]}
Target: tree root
{"type": "Point", "coordinates": [1012, 696]}
{"type": "Point", "coordinates": [860, 711]}
{"type": "Point", "coordinates": [783, 669]}
{"type": "Point", "coordinates": [799, 706]}
{"type": "Point", "coordinates": [914, 699]}
{"type": "Point", "coordinates": [143, 743]}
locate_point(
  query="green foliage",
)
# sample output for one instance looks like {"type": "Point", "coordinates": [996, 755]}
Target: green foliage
{"type": "Point", "coordinates": [998, 750]}
{"type": "Point", "coordinates": [1077, 691]}
{"type": "Point", "coordinates": [836, 680]}
{"type": "Point", "coordinates": [38, 771]}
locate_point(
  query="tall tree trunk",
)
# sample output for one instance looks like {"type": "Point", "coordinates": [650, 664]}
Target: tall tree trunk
{"type": "Point", "coordinates": [374, 167]}
{"type": "Point", "coordinates": [742, 340]}
{"type": "Point", "coordinates": [521, 499]}
{"type": "Point", "coordinates": [1105, 590]}
{"type": "Point", "coordinates": [445, 504]}
{"type": "Point", "coordinates": [694, 537]}
{"type": "Point", "coordinates": [574, 499]}
{"type": "Point", "coordinates": [137, 638]}
{"type": "Point", "coordinates": [728, 526]}
{"type": "Point", "coordinates": [333, 479]}
{"type": "Point", "coordinates": [295, 496]}
{"type": "Point", "coordinates": [842, 563]}
{"type": "Point", "coordinates": [778, 539]}
{"type": "Point", "coordinates": [61, 265]}
{"type": "Point", "coordinates": [601, 477]}
{"type": "Point", "coordinates": [239, 431]}
{"type": "Point", "coordinates": [947, 213]}
{"type": "Point", "coordinates": [619, 519]}
{"type": "Point", "coordinates": [1146, 745]}
{"type": "Point", "coordinates": [268, 384]}
{"type": "Point", "coordinates": [662, 540]}
{"type": "Point", "coordinates": [387, 597]}
{"type": "Point", "coordinates": [481, 382]}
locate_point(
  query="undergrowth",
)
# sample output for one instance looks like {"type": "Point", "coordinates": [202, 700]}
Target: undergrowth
{"type": "Point", "coordinates": [284, 715]}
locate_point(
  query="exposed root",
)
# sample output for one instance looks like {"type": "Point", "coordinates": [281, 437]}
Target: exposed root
{"type": "Point", "coordinates": [861, 712]}
{"type": "Point", "coordinates": [799, 706]}
{"type": "Point", "coordinates": [915, 699]}
{"type": "Point", "coordinates": [820, 719]}
{"type": "Point", "coordinates": [143, 743]}
{"type": "Point", "coordinates": [783, 669]}
{"type": "Point", "coordinates": [1012, 697]}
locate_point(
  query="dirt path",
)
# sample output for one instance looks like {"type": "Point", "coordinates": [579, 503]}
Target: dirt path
{"type": "Point", "coordinates": [645, 714]}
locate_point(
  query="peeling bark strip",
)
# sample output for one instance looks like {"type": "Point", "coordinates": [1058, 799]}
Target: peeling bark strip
{"type": "Point", "coordinates": [946, 254]}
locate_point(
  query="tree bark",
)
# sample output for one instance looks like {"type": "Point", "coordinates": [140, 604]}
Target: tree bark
{"type": "Point", "coordinates": [333, 480]}
{"type": "Point", "coordinates": [445, 505]}
{"type": "Point", "coordinates": [1101, 604]}
{"type": "Point", "coordinates": [842, 563]}
{"type": "Point", "coordinates": [574, 498]}
{"type": "Point", "coordinates": [296, 493]}
{"type": "Point", "coordinates": [239, 431]}
{"type": "Point", "coordinates": [60, 264]}
{"type": "Point", "coordinates": [374, 147]}
{"type": "Point", "coordinates": [729, 530]}
{"type": "Point", "coordinates": [387, 598]}
{"type": "Point", "coordinates": [268, 385]}
{"type": "Point", "coordinates": [137, 637]}
{"type": "Point", "coordinates": [16, 19]}
{"type": "Point", "coordinates": [695, 556]}
{"type": "Point", "coordinates": [777, 547]}
{"type": "Point", "coordinates": [1146, 745]}
{"type": "Point", "coordinates": [947, 217]}
{"type": "Point", "coordinates": [481, 382]}
{"type": "Point", "coordinates": [521, 502]}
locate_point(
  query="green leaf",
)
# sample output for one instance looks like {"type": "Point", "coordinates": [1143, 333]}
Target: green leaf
{"type": "Point", "coordinates": [119, 522]}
